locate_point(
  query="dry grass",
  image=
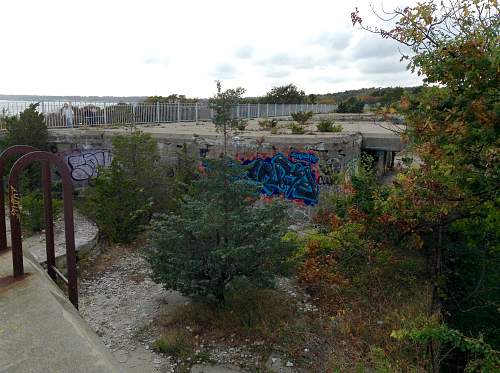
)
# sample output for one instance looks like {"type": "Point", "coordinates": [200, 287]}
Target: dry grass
{"type": "Point", "coordinates": [264, 320]}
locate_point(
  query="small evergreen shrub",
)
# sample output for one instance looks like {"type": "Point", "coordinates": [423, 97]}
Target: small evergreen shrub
{"type": "Point", "coordinates": [27, 129]}
{"type": "Point", "coordinates": [123, 197]}
{"type": "Point", "coordinates": [118, 205]}
{"type": "Point", "coordinates": [219, 234]}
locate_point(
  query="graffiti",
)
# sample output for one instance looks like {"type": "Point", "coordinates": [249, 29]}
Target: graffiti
{"type": "Point", "coordinates": [294, 176]}
{"type": "Point", "coordinates": [84, 163]}
{"type": "Point", "coordinates": [14, 202]}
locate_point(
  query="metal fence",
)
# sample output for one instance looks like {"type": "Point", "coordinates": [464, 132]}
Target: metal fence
{"type": "Point", "coordinates": [99, 114]}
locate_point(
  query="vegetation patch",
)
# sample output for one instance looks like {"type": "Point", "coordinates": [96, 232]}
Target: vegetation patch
{"type": "Point", "coordinates": [328, 125]}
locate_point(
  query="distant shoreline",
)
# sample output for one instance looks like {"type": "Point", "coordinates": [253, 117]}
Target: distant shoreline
{"type": "Point", "coordinates": [36, 98]}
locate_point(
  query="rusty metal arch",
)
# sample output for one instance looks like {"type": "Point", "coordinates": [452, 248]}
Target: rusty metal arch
{"type": "Point", "coordinates": [5, 156]}
{"type": "Point", "coordinates": [47, 160]}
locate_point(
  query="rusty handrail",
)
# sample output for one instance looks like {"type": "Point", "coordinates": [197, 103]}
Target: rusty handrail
{"type": "Point", "coordinates": [17, 249]}
{"type": "Point", "coordinates": [4, 158]}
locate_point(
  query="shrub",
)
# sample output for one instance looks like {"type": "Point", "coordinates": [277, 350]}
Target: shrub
{"type": "Point", "coordinates": [123, 197]}
{"type": "Point", "coordinates": [32, 211]}
{"type": "Point", "coordinates": [328, 125]}
{"type": "Point", "coordinates": [219, 234]}
{"type": "Point", "coordinates": [351, 105]}
{"type": "Point", "coordinates": [296, 129]}
{"type": "Point", "coordinates": [118, 205]}
{"type": "Point", "coordinates": [27, 129]}
{"type": "Point", "coordinates": [302, 117]}
{"type": "Point", "coordinates": [268, 124]}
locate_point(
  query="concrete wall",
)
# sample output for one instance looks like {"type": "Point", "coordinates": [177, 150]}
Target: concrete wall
{"type": "Point", "coordinates": [308, 162]}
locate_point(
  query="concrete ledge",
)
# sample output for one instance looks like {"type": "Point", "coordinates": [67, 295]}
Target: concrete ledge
{"type": "Point", "coordinates": [40, 330]}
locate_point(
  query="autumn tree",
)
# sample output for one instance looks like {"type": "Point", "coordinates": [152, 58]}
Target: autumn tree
{"type": "Point", "coordinates": [451, 203]}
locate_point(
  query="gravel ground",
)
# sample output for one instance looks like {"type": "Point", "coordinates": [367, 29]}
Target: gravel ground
{"type": "Point", "coordinates": [119, 303]}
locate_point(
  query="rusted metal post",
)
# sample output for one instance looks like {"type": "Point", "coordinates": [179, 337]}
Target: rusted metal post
{"type": "Point", "coordinates": [49, 222]}
{"type": "Point", "coordinates": [4, 157]}
{"type": "Point", "coordinates": [17, 249]}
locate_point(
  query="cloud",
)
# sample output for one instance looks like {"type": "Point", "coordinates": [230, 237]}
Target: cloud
{"type": "Point", "coordinates": [225, 71]}
{"type": "Point", "coordinates": [276, 72]}
{"type": "Point", "coordinates": [386, 65]}
{"type": "Point", "coordinates": [337, 41]}
{"type": "Point", "coordinates": [291, 61]}
{"type": "Point", "coordinates": [372, 47]}
{"type": "Point", "coordinates": [330, 79]}
{"type": "Point", "coordinates": [245, 52]}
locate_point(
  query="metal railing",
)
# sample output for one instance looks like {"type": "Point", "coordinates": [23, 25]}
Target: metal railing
{"type": "Point", "coordinates": [99, 114]}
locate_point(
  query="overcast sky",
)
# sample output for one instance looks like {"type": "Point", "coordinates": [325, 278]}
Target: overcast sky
{"type": "Point", "coordinates": [159, 47]}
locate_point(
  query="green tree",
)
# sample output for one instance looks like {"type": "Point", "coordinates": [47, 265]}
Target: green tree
{"type": "Point", "coordinates": [287, 94]}
{"type": "Point", "coordinates": [351, 105]}
{"type": "Point", "coordinates": [222, 104]}
{"type": "Point", "coordinates": [451, 202]}
{"type": "Point", "coordinates": [220, 233]}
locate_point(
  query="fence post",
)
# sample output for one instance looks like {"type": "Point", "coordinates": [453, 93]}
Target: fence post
{"type": "Point", "coordinates": [275, 109]}
{"type": "Point", "coordinates": [248, 111]}
{"type": "Point", "coordinates": [258, 110]}
{"type": "Point", "coordinates": [178, 111]}
{"type": "Point", "coordinates": [105, 115]}
{"type": "Point", "coordinates": [196, 112]}
{"type": "Point", "coordinates": [267, 110]}
{"type": "Point", "coordinates": [157, 112]}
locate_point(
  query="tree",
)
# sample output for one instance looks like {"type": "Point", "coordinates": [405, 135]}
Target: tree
{"type": "Point", "coordinates": [451, 202]}
{"type": "Point", "coordinates": [220, 233]}
{"type": "Point", "coordinates": [222, 104]}
{"type": "Point", "coordinates": [287, 94]}
{"type": "Point", "coordinates": [351, 105]}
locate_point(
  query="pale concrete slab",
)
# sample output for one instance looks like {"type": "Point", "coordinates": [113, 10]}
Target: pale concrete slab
{"type": "Point", "coordinates": [40, 330]}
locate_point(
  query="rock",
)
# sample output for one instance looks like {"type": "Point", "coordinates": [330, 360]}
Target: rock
{"type": "Point", "coordinates": [275, 364]}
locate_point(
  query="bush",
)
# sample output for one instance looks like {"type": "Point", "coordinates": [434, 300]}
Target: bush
{"type": "Point", "coordinates": [118, 205]}
{"type": "Point", "coordinates": [296, 129]}
{"type": "Point", "coordinates": [302, 117]}
{"type": "Point", "coordinates": [268, 124]}
{"type": "Point", "coordinates": [32, 211]}
{"type": "Point", "coordinates": [328, 125]}
{"type": "Point", "coordinates": [219, 234]}
{"type": "Point", "coordinates": [27, 129]}
{"type": "Point", "coordinates": [351, 105]}
{"type": "Point", "coordinates": [123, 197]}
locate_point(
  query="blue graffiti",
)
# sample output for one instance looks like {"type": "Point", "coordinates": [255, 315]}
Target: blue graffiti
{"type": "Point", "coordinates": [290, 176]}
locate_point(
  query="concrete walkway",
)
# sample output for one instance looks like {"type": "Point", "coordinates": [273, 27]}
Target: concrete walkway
{"type": "Point", "coordinates": [40, 331]}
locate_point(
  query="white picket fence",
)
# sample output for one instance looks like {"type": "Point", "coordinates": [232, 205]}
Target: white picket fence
{"type": "Point", "coordinates": [99, 114]}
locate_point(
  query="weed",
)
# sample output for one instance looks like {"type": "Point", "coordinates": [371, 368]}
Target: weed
{"type": "Point", "coordinates": [296, 129]}
{"type": "Point", "coordinates": [268, 124]}
{"type": "Point", "coordinates": [328, 125]}
{"type": "Point", "coordinates": [176, 341]}
{"type": "Point", "coordinates": [302, 117]}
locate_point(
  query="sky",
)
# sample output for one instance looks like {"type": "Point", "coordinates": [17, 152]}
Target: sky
{"type": "Point", "coordinates": [160, 47]}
